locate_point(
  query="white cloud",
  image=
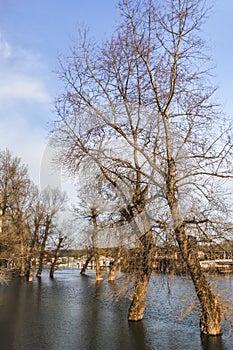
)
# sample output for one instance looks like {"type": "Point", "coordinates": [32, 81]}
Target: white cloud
{"type": "Point", "coordinates": [5, 48]}
{"type": "Point", "coordinates": [24, 104]}
{"type": "Point", "coordinates": [24, 144]}
{"type": "Point", "coordinates": [23, 74]}
{"type": "Point", "coordinates": [23, 87]}
{"type": "Point", "coordinates": [25, 110]}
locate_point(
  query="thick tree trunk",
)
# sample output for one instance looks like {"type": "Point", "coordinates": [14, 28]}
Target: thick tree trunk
{"type": "Point", "coordinates": [30, 273]}
{"type": "Point", "coordinates": [112, 270]}
{"type": "Point", "coordinates": [22, 268]}
{"type": "Point", "coordinates": [137, 307]}
{"type": "Point", "coordinates": [98, 276]}
{"type": "Point", "coordinates": [211, 315]}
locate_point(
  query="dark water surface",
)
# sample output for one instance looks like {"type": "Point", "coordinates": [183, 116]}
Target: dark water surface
{"type": "Point", "coordinates": [72, 312]}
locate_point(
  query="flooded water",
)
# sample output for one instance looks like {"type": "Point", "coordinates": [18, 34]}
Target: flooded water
{"type": "Point", "coordinates": [73, 312]}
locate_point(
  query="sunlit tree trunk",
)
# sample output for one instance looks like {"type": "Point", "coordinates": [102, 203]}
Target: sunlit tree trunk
{"type": "Point", "coordinates": [211, 315]}
{"type": "Point", "coordinates": [137, 307]}
{"type": "Point", "coordinates": [114, 266]}
{"type": "Point", "coordinates": [31, 270]}
{"type": "Point", "coordinates": [99, 276]}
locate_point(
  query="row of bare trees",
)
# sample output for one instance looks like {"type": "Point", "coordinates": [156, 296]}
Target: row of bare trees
{"type": "Point", "coordinates": [139, 112]}
{"type": "Point", "coordinates": [29, 218]}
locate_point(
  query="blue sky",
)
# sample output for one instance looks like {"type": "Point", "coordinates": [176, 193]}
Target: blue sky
{"type": "Point", "coordinates": [33, 33]}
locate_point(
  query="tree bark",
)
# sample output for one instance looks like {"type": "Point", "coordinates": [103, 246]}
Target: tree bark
{"type": "Point", "coordinates": [53, 265]}
{"type": "Point", "coordinates": [211, 316]}
{"type": "Point", "coordinates": [30, 273]}
{"type": "Point", "coordinates": [210, 320]}
{"type": "Point", "coordinates": [211, 310]}
{"type": "Point", "coordinates": [84, 267]}
{"type": "Point", "coordinates": [113, 266]}
{"type": "Point", "coordinates": [98, 276]}
{"type": "Point", "coordinates": [112, 271]}
{"type": "Point", "coordinates": [137, 307]}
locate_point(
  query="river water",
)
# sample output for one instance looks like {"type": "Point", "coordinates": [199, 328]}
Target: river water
{"type": "Point", "coordinates": [72, 312]}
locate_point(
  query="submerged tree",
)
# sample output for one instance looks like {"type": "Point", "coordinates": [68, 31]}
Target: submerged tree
{"type": "Point", "coordinates": [146, 90]}
{"type": "Point", "coordinates": [53, 201]}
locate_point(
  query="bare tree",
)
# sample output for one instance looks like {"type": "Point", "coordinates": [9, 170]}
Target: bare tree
{"type": "Point", "coordinates": [15, 199]}
{"type": "Point", "coordinates": [91, 208]}
{"type": "Point", "coordinates": [53, 201]}
{"type": "Point", "coordinates": [61, 238]}
{"type": "Point", "coordinates": [147, 90]}
{"type": "Point", "coordinates": [35, 224]}
{"type": "Point", "coordinates": [55, 257]}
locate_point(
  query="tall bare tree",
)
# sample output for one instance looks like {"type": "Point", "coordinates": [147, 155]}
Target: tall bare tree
{"type": "Point", "coordinates": [147, 90]}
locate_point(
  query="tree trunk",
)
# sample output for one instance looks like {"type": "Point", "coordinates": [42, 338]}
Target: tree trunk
{"type": "Point", "coordinates": [43, 244]}
{"type": "Point", "coordinates": [211, 316]}
{"type": "Point", "coordinates": [41, 257]}
{"type": "Point", "coordinates": [114, 265]}
{"type": "Point", "coordinates": [52, 269]}
{"type": "Point", "coordinates": [53, 265]}
{"type": "Point", "coordinates": [30, 273]}
{"type": "Point", "coordinates": [112, 270]}
{"type": "Point", "coordinates": [22, 264]}
{"type": "Point", "coordinates": [22, 268]}
{"type": "Point", "coordinates": [40, 267]}
{"type": "Point", "coordinates": [98, 276]}
{"type": "Point", "coordinates": [84, 267]}
{"type": "Point", "coordinates": [210, 321]}
{"type": "Point", "coordinates": [137, 307]}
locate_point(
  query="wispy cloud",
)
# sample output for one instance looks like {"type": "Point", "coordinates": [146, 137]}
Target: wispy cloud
{"type": "Point", "coordinates": [24, 142]}
{"type": "Point", "coordinates": [24, 104]}
{"type": "Point", "coordinates": [5, 49]}
{"type": "Point", "coordinates": [25, 110]}
{"type": "Point", "coordinates": [18, 86]}
{"type": "Point", "coordinates": [21, 74]}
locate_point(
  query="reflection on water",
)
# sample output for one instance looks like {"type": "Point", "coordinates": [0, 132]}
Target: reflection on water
{"type": "Point", "coordinates": [72, 312]}
{"type": "Point", "coordinates": [214, 343]}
